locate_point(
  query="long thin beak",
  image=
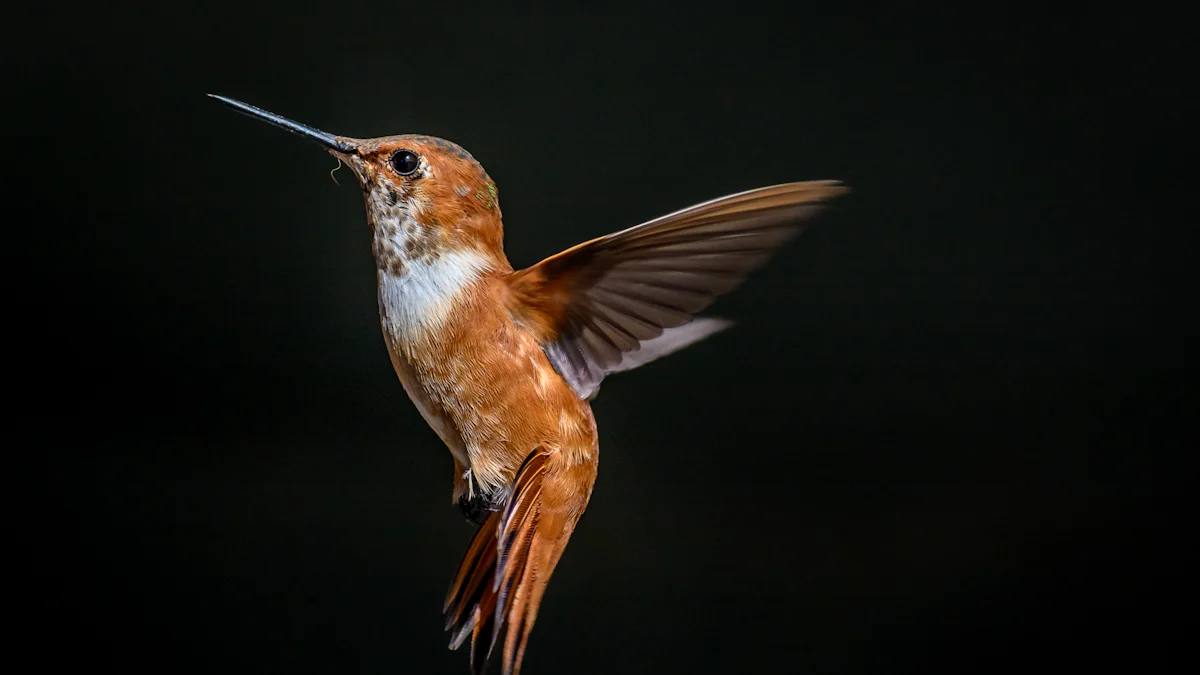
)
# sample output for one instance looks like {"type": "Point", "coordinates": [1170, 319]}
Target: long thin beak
{"type": "Point", "coordinates": [328, 140]}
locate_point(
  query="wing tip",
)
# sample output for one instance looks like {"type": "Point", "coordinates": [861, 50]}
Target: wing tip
{"type": "Point", "coordinates": [830, 188]}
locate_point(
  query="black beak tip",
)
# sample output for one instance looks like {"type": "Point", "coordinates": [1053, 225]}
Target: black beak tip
{"type": "Point", "coordinates": [324, 138]}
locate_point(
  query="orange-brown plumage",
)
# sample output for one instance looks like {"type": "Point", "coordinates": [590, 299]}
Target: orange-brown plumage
{"type": "Point", "coordinates": [502, 363]}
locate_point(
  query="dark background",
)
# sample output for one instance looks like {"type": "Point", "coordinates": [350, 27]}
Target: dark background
{"type": "Point", "coordinates": [933, 443]}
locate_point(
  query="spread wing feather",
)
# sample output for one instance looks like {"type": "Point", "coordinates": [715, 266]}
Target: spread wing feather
{"type": "Point", "coordinates": [597, 305]}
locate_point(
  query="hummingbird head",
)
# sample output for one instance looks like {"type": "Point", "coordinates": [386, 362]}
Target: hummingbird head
{"type": "Point", "coordinates": [425, 196]}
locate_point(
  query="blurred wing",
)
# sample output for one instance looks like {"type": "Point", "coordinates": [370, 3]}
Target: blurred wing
{"type": "Point", "coordinates": [619, 301]}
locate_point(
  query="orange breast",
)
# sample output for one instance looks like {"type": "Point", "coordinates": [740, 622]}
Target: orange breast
{"type": "Point", "coordinates": [485, 385]}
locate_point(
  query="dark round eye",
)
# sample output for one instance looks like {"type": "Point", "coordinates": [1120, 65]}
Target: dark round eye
{"type": "Point", "coordinates": [405, 162]}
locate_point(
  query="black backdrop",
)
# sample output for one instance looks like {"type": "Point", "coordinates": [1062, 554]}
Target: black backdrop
{"type": "Point", "coordinates": [926, 447]}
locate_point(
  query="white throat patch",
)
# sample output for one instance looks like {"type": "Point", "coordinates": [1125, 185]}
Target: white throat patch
{"type": "Point", "coordinates": [420, 299]}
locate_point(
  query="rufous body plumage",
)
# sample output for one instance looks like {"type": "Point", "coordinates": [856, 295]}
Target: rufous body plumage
{"type": "Point", "coordinates": [502, 364]}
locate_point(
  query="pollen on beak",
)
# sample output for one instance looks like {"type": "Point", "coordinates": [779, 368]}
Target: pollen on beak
{"type": "Point", "coordinates": [354, 162]}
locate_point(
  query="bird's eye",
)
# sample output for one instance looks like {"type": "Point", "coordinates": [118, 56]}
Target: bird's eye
{"type": "Point", "coordinates": [405, 162]}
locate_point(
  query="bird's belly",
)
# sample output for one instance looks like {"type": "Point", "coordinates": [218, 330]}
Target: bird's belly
{"type": "Point", "coordinates": [494, 402]}
{"type": "Point", "coordinates": [431, 411]}
{"type": "Point", "coordinates": [511, 408]}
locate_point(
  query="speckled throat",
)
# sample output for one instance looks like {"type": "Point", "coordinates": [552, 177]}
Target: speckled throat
{"type": "Point", "coordinates": [401, 237]}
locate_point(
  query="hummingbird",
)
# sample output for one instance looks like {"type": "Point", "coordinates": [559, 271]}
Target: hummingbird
{"type": "Point", "coordinates": [503, 364]}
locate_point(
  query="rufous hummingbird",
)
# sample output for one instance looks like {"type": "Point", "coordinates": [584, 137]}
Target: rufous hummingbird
{"type": "Point", "coordinates": [503, 363]}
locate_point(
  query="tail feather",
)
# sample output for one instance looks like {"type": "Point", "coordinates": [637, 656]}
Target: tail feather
{"type": "Point", "coordinates": [503, 574]}
{"type": "Point", "coordinates": [479, 554]}
{"type": "Point", "coordinates": [529, 598]}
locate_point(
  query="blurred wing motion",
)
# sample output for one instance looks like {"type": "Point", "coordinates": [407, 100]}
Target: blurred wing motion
{"type": "Point", "coordinates": [504, 572]}
{"type": "Point", "coordinates": [619, 301]}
